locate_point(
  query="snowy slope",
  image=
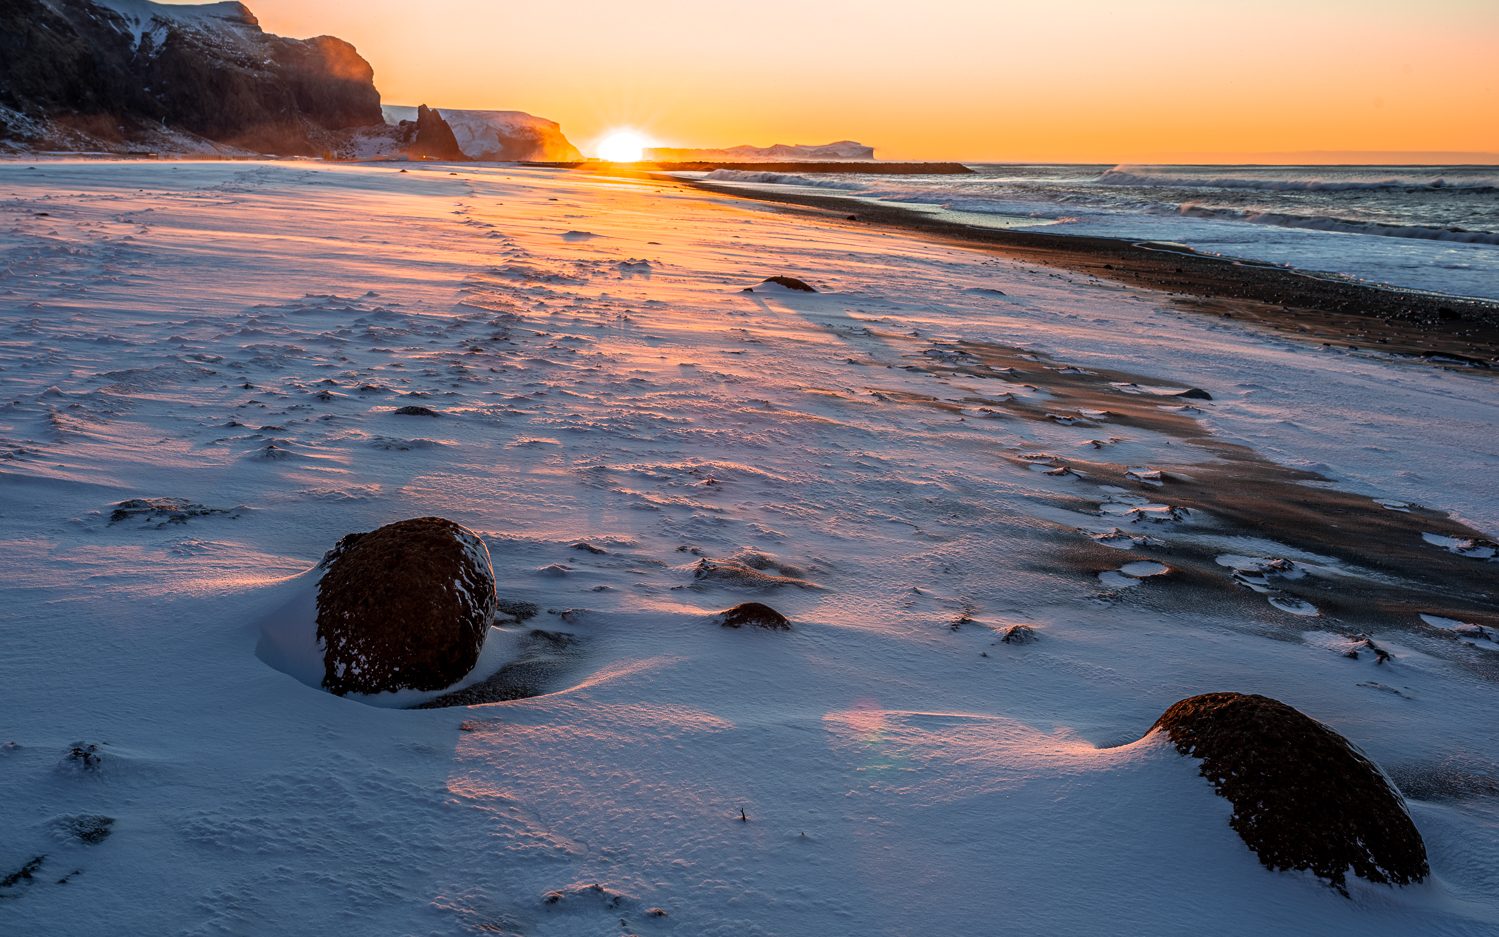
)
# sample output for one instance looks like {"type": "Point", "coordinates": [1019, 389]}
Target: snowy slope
{"type": "Point", "coordinates": [603, 378]}
{"type": "Point", "coordinates": [226, 21]}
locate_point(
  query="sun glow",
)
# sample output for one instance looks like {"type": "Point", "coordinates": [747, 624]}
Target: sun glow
{"type": "Point", "coordinates": [622, 146]}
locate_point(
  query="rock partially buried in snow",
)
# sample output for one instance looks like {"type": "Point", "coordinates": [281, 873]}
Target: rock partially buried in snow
{"type": "Point", "coordinates": [755, 615]}
{"type": "Point", "coordinates": [791, 283]}
{"type": "Point", "coordinates": [405, 607]}
{"type": "Point", "coordinates": [1304, 798]}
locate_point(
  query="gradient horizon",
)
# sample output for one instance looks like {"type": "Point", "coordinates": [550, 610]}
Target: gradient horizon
{"type": "Point", "coordinates": [1075, 81]}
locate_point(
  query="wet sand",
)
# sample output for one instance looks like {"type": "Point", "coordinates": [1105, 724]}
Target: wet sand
{"type": "Point", "coordinates": [1449, 331]}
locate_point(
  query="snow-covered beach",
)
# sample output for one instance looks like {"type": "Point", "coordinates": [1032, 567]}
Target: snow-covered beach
{"type": "Point", "coordinates": [239, 337]}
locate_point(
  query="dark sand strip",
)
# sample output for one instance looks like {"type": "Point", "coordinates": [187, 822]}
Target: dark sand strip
{"type": "Point", "coordinates": [1451, 331]}
{"type": "Point", "coordinates": [878, 167]}
{"type": "Point", "coordinates": [1229, 491]}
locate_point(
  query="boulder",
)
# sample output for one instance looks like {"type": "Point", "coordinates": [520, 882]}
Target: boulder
{"type": "Point", "coordinates": [405, 607]}
{"type": "Point", "coordinates": [754, 615]}
{"type": "Point", "coordinates": [1304, 798]}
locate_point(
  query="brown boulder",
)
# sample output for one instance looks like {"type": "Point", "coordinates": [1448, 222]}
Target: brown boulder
{"type": "Point", "coordinates": [1304, 798]}
{"type": "Point", "coordinates": [754, 615]}
{"type": "Point", "coordinates": [404, 607]}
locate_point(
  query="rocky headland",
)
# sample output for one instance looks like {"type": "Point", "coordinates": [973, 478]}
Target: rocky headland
{"type": "Point", "coordinates": [136, 77]}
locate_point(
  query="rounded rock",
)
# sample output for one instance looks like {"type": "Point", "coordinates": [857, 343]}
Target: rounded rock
{"type": "Point", "coordinates": [1304, 798]}
{"type": "Point", "coordinates": [754, 615]}
{"type": "Point", "coordinates": [404, 607]}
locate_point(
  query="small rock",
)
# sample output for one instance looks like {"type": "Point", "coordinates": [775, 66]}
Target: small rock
{"type": "Point", "coordinates": [791, 283]}
{"type": "Point", "coordinates": [415, 411]}
{"type": "Point", "coordinates": [588, 547]}
{"type": "Point", "coordinates": [1019, 634]}
{"type": "Point", "coordinates": [754, 615]}
{"type": "Point", "coordinates": [1195, 394]}
{"type": "Point", "coordinates": [82, 756]}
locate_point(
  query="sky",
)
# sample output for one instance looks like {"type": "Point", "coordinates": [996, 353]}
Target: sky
{"type": "Point", "coordinates": [1068, 80]}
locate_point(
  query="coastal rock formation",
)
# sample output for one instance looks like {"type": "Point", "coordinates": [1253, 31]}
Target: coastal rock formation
{"type": "Point", "coordinates": [1304, 798]}
{"type": "Point", "coordinates": [407, 606]}
{"type": "Point", "coordinates": [842, 150]}
{"type": "Point", "coordinates": [499, 135]}
{"type": "Point", "coordinates": [754, 615]}
{"type": "Point", "coordinates": [431, 137]}
{"type": "Point", "coordinates": [123, 74]}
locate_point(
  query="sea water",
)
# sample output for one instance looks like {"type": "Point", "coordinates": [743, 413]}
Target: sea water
{"type": "Point", "coordinates": [1430, 228]}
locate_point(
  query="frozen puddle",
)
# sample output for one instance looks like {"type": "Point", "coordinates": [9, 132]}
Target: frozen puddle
{"type": "Point", "coordinates": [1475, 548]}
{"type": "Point", "coordinates": [1133, 508]}
{"type": "Point", "coordinates": [1255, 573]}
{"type": "Point", "coordinates": [1130, 574]}
{"type": "Point", "coordinates": [1464, 628]}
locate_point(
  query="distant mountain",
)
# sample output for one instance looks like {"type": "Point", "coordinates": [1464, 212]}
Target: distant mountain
{"type": "Point", "coordinates": [498, 135]}
{"type": "Point", "coordinates": [130, 74]}
{"type": "Point", "coordinates": [843, 150]}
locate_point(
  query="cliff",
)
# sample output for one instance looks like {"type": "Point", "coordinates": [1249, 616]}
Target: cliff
{"type": "Point", "coordinates": [499, 135]}
{"type": "Point", "coordinates": [129, 74]}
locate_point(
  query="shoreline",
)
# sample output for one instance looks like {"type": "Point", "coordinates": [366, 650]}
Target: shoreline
{"type": "Point", "coordinates": [1347, 315]}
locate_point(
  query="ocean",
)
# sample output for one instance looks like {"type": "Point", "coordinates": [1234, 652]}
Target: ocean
{"type": "Point", "coordinates": [1430, 228]}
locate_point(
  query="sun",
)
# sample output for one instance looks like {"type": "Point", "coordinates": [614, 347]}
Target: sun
{"type": "Point", "coordinates": [622, 146]}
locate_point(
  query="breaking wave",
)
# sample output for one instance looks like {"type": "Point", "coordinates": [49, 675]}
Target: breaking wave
{"type": "Point", "coordinates": [776, 178]}
{"type": "Point", "coordinates": [1315, 223]}
{"type": "Point", "coordinates": [1123, 177]}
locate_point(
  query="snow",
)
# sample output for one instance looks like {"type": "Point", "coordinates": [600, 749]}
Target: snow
{"type": "Point", "coordinates": [600, 376]}
{"type": "Point", "coordinates": [142, 16]}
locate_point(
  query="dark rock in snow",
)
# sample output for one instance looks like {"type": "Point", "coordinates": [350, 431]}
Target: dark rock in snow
{"type": "Point", "coordinates": [416, 411]}
{"type": "Point", "coordinates": [82, 756]}
{"type": "Point", "coordinates": [741, 575]}
{"type": "Point", "coordinates": [162, 510]}
{"type": "Point", "coordinates": [1195, 394]}
{"type": "Point", "coordinates": [23, 874]}
{"type": "Point", "coordinates": [1303, 797]}
{"type": "Point", "coordinates": [405, 607]}
{"type": "Point", "coordinates": [1019, 634]}
{"type": "Point", "coordinates": [90, 828]}
{"type": "Point", "coordinates": [791, 283]}
{"type": "Point", "coordinates": [520, 611]}
{"type": "Point", "coordinates": [587, 547]}
{"type": "Point", "coordinates": [754, 615]}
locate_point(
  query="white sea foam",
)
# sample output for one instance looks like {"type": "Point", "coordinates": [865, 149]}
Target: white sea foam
{"type": "Point", "coordinates": [1122, 176]}
{"type": "Point", "coordinates": [777, 178]}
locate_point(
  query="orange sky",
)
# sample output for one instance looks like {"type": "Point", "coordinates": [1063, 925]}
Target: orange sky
{"type": "Point", "coordinates": [1085, 80]}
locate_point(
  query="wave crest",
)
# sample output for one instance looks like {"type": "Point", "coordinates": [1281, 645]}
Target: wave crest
{"type": "Point", "coordinates": [1123, 177]}
{"type": "Point", "coordinates": [775, 178]}
{"type": "Point", "coordinates": [1421, 232]}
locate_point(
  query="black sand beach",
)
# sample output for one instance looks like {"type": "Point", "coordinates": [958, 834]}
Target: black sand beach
{"type": "Point", "coordinates": [1452, 331]}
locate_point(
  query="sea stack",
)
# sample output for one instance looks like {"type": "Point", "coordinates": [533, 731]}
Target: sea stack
{"type": "Point", "coordinates": [434, 137]}
{"type": "Point", "coordinates": [405, 607]}
{"type": "Point", "coordinates": [1304, 798]}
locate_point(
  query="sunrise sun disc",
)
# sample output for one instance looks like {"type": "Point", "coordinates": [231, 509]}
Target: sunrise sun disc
{"type": "Point", "coordinates": [622, 146]}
